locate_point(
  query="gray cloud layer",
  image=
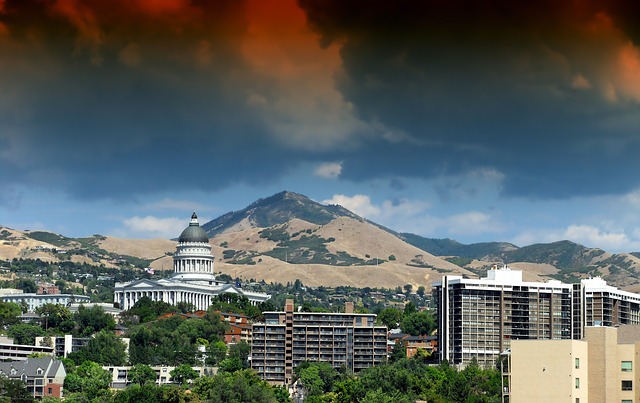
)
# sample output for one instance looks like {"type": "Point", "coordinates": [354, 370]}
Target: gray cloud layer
{"type": "Point", "coordinates": [102, 102]}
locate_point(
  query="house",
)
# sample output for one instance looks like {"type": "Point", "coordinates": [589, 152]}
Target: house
{"type": "Point", "coordinates": [47, 288]}
{"type": "Point", "coordinates": [413, 343]}
{"type": "Point", "coordinates": [43, 376]}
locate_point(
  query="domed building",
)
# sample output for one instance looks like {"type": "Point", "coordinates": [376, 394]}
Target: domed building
{"type": "Point", "coordinates": [193, 279]}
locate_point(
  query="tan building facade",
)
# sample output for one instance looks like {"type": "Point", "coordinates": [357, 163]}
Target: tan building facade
{"type": "Point", "coordinates": [599, 368]}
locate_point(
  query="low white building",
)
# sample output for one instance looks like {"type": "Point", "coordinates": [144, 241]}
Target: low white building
{"type": "Point", "coordinates": [67, 344]}
{"type": "Point", "coordinates": [35, 301]}
{"type": "Point", "coordinates": [120, 374]}
{"type": "Point", "coordinates": [193, 281]}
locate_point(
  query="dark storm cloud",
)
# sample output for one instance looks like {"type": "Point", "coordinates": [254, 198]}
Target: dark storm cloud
{"type": "Point", "coordinates": [528, 88]}
{"type": "Point", "coordinates": [110, 99]}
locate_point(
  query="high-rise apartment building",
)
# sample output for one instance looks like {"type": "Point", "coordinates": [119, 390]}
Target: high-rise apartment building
{"type": "Point", "coordinates": [478, 318]}
{"type": "Point", "coordinates": [603, 305]}
{"type": "Point", "coordinates": [286, 339]}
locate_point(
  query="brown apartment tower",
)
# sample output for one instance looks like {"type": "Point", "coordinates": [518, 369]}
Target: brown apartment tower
{"type": "Point", "coordinates": [285, 339]}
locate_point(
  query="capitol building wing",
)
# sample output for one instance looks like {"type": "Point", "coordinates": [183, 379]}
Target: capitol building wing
{"type": "Point", "coordinates": [193, 280]}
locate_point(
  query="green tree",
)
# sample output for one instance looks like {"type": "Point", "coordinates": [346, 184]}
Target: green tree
{"type": "Point", "coordinates": [27, 285]}
{"type": "Point", "coordinates": [23, 333]}
{"type": "Point", "coordinates": [311, 380]}
{"type": "Point", "coordinates": [421, 290]}
{"type": "Point", "coordinates": [390, 317]}
{"type": "Point", "coordinates": [104, 348]}
{"type": "Point", "coordinates": [234, 387]}
{"type": "Point", "coordinates": [92, 320]}
{"type": "Point", "coordinates": [9, 313]}
{"type": "Point", "coordinates": [145, 310]}
{"type": "Point", "coordinates": [89, 379]}
{"type": "Point", "coordinates": [418, 323]}
{"type": "Point", "coordinates": [408, 288]}
{"type": "Point", "coordinates": [53, 315]}
{"type": "Point", "coordinates": [182, 374]}
{"type": "Point", "coordinates": [398, 352]}
{"type": "Point", "coordinates": [241, 351]}
{"type": "Point", "coordinates": [216, 352]}
{"type": "Point", "coordinates": [378, 396]}
{"type": "Point", "coordinates": [230, 364]}
{"type": "Point", "coordinates": [410, 308]}
{"type": "Point", "coordinates": [141, 374]}
{"type": "Point", "coordinates": [14, 390]}
{"type": "Point", "coordinates": [154, 393]}
{"type": "Point", "coordinates": [326, 373]}
{"type": "Point", "coordinates": [174, 340]}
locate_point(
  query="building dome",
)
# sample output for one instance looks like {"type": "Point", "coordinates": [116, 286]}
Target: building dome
{"type": "Point", "coordinates": [193, 233]}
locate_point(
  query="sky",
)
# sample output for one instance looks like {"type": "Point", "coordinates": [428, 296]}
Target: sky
{"type": "Point", "coordinates": [491, 121]}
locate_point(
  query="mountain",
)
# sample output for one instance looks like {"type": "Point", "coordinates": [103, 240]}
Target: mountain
{"type": "Point", "coordinates": [278, 209]}
{"type": "Point", "coordinates": [288, 236]}
{"type": "Point", "coordinates": [449, 247]}
{"type": "Point", "coordinates": [563, 260]}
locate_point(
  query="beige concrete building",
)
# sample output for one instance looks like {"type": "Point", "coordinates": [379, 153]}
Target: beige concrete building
{"type": "Point", "coordinates": [548, 371]}
{"type": "Point", "coordinates": [599, 368]}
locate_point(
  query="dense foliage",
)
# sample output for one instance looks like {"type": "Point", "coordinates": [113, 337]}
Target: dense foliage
{"type": "Point", "coordinates": [407, 380]}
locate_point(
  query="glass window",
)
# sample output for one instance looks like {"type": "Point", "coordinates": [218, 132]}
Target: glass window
{"type": "Point", "coordinates": [627, 385]}
{"type": "Point", "coordinates": [627, 401]}
{"type": "Point", "coordinates": [627, 366]}
{"type": "Point", "coordinates": [577, 383]}
{"type": "Point", "coordinates": [577, 363]}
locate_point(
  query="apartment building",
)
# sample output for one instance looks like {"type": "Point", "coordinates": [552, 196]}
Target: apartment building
{"type": "Point", "coordinates": [599, 368]}
{"type": "Point", "coordinates": [286, 339]}
{"type": "Point", "coordinates": [599, 304]}
{"type": "Point", "coordinates": [20, 352]}
{"type": "Point", "coordinates": [479, 318]}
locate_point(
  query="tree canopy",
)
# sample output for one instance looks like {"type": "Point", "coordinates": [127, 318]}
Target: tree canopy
{"type": "Point", "coordinates": [105, 348]}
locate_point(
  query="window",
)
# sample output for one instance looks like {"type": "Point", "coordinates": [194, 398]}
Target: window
{"type": "Point", "coordinates": [627, 401]}
{"type": "Point", "coordinates": [577, 383]}
{"type": "Point", "coordinates": [627, 385]}
{"type": "Point", "coordinates": [627, 366]}
{"type": "Point", "coordinates": [577, 363]}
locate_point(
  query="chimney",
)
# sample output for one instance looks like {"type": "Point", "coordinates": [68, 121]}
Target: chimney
{"type": "Point", "coordinates": [288, 305]}
{"type": "Point", "coordinates": [348, 307]}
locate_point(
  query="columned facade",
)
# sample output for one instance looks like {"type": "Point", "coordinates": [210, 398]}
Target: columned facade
{"type": "Point", "coordinates": [193, 281]}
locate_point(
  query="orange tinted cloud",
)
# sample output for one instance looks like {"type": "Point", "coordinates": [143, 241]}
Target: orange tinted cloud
{"type": "Point", "coordinates": [301, 104]}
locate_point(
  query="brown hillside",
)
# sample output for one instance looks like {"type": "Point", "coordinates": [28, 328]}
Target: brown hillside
{"type": "Point", "coordinates": [357, 238]}
{"type": "Point", "coordinates": [142, 248]}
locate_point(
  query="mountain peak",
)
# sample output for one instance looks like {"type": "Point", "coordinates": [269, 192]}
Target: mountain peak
{"type": "Point", "coordinates": [279, 209]}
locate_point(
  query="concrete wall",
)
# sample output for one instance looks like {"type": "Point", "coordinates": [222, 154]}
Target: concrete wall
{"type": "Point", "coordinates": [545, 371]}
